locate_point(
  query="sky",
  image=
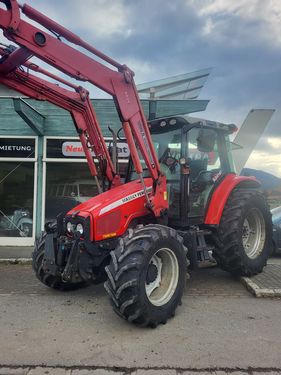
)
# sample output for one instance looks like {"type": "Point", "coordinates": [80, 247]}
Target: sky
{"type": "Point", "coordinates": [240, 41]}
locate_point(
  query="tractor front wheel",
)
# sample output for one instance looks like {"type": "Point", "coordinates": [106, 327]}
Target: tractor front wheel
{"type": "Point", "coordinates": [51, 281]}
{"type": "Point", "coordinates": [147, 273]}
{"type": "Point", "coordinates": [245, 234]}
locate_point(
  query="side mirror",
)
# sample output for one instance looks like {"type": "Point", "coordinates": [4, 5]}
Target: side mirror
{"type": "Point", "coordinates": [206, 140]}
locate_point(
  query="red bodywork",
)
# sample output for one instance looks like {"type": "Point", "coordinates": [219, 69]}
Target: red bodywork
{"type": "Point", "coordinates": [221, 194]}
{"type": "Point", "coordinates": [112, 211]}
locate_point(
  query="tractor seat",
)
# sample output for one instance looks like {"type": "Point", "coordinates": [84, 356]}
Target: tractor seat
{"type": "Point", "coordinates": [197, 166]}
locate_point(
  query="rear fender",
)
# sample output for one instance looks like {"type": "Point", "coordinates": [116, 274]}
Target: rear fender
{"type": "Point", "coordinates": [24, 220]}
{"type": "Point", "coordinates": [221, 194]}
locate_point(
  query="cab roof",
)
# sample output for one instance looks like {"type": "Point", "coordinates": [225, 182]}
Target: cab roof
{"type": "Point", "coordinates": [166, 124]}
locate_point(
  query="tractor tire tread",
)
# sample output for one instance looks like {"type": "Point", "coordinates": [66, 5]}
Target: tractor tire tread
{"type": "Point", "coordinates": [227, 251]}
{"type": "Point", "coordinates": [122, 285]}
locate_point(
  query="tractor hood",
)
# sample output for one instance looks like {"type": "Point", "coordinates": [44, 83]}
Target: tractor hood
{"type": "Point", "coordinates": [119, 196]}
{"type": "Point", "coordinates": [112, 211]}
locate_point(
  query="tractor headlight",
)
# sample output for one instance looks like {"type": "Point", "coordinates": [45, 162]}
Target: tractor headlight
{"type": "Point", "coordinates": [79, 228]}
{"type": "Point", "coordinates": [69, 227]}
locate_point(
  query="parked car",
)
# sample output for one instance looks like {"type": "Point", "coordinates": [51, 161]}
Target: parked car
{"type": "Point", "coordinates": [276, 220]}
{"type": "Point", "coordinates": [60, 198]}
{"type": "Point", "coordinates": [80, 190]}
{"type": "Point", "coordinates": [18, 223]}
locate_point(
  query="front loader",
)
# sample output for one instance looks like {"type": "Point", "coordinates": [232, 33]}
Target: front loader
{"type": "Point", "coordinates": [180, 197]}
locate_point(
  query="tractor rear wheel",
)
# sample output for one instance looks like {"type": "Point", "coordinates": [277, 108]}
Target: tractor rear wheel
{"type": "Point", "coordinates": [245, 234]}
{"type": "Point", "coordinates": [51, 281]}
{"type": "Point", "coordinates": [146, 275]}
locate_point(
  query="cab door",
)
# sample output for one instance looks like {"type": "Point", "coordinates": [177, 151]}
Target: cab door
{"type": "Point", "coordinates": [205, 169]}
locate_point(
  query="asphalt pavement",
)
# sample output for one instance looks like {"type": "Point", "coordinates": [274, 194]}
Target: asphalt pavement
{"type": "Point", "coordinates": [220, 328]}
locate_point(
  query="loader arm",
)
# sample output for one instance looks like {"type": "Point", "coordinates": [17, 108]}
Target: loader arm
{"type": "Point", "coordinates": [118, 83]}
{"type": "Point", "coordinates": [81, 110]}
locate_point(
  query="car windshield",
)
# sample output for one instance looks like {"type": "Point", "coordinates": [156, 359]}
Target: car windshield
{"type": "Point", "coordinates": [88, 190]}
{"type": "Point", "coordinates": [70, 191]}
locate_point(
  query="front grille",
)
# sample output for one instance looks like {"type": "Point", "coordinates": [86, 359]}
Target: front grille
{"type": "Point", "coordinates": [74, 222]}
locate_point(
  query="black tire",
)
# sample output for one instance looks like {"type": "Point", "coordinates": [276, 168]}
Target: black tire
{"type": "Point", "coordinates": [276, 251]}
{"type": "Point", "coordinates": [54, 282]}
{"type": "Point", "coordinates": [243, 209]}
{"type": "Point", "coordinates": [26, 230]}
{"type": "Point", "coordinates": [100, 273]}
{"type": "Point", "coordinates": [128, 277]}
{"type": "Point", "coordinates": [273, 249]}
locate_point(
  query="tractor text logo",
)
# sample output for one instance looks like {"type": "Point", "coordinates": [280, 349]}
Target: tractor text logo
{"type": "Point", "coordinates": [15, 148]}
{"type": "Point", "coordinates": [76, 149]}
{"type": "Point", "coordinates": [133, 196]}
{"type": "Point", "coordinates": [72, 149]}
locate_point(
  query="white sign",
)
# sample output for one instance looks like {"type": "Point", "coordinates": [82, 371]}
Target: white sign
{"type": "Point", "coordinates": [76, 149]}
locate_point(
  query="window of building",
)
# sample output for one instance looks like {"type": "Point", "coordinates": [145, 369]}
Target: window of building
{"type": "Point", "coordinates": [17, 190]}
{"type": "Point", "coordinates": [67, 175]}
{"type": "Point", "coordinates": [67, 185]}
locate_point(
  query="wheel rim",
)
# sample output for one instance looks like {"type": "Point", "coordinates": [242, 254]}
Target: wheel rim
{"type": "Point", "coordinates": [162, 277]}
{"type": "Point", "coordinates": [253, 233]}
{"type": "Point", "coordinates": [24, 231]}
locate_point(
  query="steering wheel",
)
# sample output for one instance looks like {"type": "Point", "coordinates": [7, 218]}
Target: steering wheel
{"type": "Point", "coordinates": [203, 178]}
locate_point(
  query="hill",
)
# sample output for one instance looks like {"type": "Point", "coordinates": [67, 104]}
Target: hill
{"type": "Point", "coordinates": [268, 181]}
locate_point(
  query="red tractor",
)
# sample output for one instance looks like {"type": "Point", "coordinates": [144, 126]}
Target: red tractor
{"type": "Point", "coordinates": [179, 199]}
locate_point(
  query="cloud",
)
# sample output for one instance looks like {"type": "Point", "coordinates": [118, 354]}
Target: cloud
{"type": "Point", "coordinates": [275, 142]}
{"type": "Point", "coordinates": [267, 155]}
{"type": "Point", "coordinates": [269, 162]}
{"type": "Point", "coordinates": [102, 18]}
{"type": "Point", "coordinates": [261, 17]}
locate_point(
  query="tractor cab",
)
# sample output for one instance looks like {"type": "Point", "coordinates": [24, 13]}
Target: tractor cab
{"type": "Point", "coordinates": [194, 155]}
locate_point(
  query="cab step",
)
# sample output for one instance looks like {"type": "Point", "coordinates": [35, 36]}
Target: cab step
{"type": "Point", "coordinates": [198, 250]}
